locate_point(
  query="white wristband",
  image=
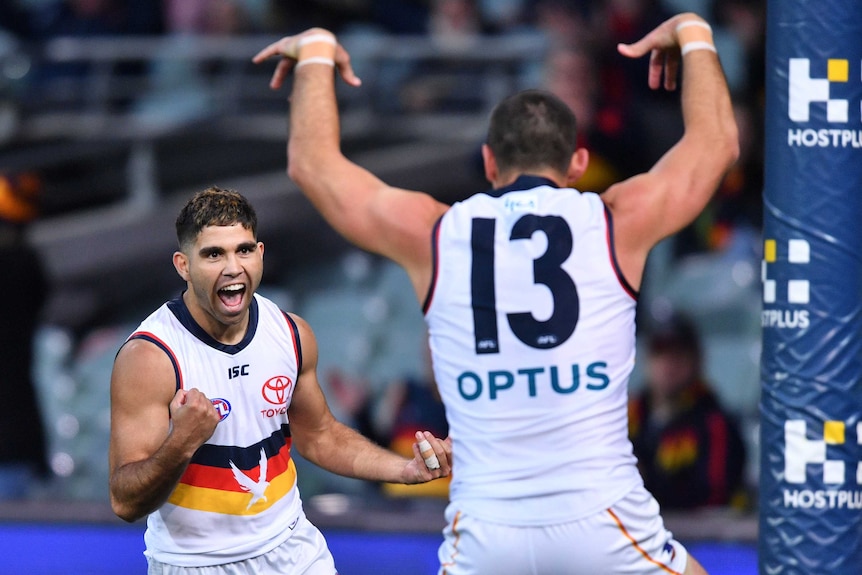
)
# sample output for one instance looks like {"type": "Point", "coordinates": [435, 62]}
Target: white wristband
{"type": "Point", "coordinates": [312, 38]}
{"type": "Point", "coordinates": [698, 23]}
{"type": "Point", "coordinates": [431, 461]}
{"type": "Point", "coordinates": [315, 60]}
{"type": "Point", "coordinates": [698, 45]}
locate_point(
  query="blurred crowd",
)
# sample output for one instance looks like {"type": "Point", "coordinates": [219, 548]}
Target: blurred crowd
{"type": "Point", "coordinates": [623, 124]}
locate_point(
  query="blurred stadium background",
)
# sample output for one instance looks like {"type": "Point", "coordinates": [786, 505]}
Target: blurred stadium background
{"type": "Point", "coordinates": [122, 122]}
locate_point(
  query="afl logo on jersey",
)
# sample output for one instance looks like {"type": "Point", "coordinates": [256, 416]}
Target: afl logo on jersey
{"type": "Point", "coordinates": [277, 390]}
{"type": "Point", "coordinates": [222, 406]}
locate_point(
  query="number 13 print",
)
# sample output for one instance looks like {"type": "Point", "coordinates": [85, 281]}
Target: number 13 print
{"type": "Point", "coordinates": [547, 270]}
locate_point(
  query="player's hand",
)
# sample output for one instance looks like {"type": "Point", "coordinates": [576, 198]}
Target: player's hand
{"type": "Point", "coordinates": [287, 49]}
{"type": "Point", "coordinates": [418, 469]}
{"type": "Point", "coordinates": [663, 45]}
{"type": "Point", "coordinates": [193, 418]}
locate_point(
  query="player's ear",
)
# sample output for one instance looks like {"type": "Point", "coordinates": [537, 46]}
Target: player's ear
{"type": "Point", "coordinates": [490, 162]}
{"type": "Point", "coordinates": [181, 264]}
{"type": "Point", "coordinates": [578, 164]}
{"type": "Point", "coordinates": [260, 247]}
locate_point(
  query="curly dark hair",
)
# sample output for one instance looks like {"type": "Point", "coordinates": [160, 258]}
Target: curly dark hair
{"type": "Point", "coordinates": [213, 206]}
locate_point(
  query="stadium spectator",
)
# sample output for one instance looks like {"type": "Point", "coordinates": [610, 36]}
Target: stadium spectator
{"type": "Point", "coordinates": [615, 21]}
{"type": "Point", "coordinates": [734, 215]}
{"type": "Point", "coordinates": [745, 22]}
{"type": "Point", "coordinates": [689, 450]}
{"type": "Point", "coordinates": [86, 18]}
{"type": "Point", "coordinates": [562, 21]}
{"type": "Point", "coordinates": [454, 26]}
{"type": "Point", "coordinates": [23, 449]}
{"type": "Point", "coordinates": [206, 17]}
{"type": "Point", "coordinates": [411, 404]}
{"type": "Point", "coordinates": [531, 329]}
{"type": "Point", "coordinates": [609, 131]}
{"type": "Point", "coordinates": [209, 396]}
{"type": "Point", "coordinates": [177, 89]}
{"type": "Point", "coordinates": [393, 416]}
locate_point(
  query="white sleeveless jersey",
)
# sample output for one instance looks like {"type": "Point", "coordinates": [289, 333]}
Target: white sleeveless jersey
{"type": "Point", "coordinates": [238, 497]}
{"type": "Point", "coordinates": [532, 334]}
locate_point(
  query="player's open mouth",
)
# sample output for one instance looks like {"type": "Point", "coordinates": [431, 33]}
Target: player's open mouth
{"type": "Point", "coordinates": [231, 295]}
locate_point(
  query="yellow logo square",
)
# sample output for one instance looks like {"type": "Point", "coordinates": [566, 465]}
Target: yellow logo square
{"type": "Point", "coordinates": [833, 432]}
{"type": "Point", "coordinates": [837, 70]}
{"type": "Point", "coordinates": [769, 251]}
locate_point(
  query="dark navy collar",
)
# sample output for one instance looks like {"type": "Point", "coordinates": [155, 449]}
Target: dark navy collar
{"type": "Point", "coordinates": [524, 182]}
{"type": "Point", "coordinates": [182, 313]}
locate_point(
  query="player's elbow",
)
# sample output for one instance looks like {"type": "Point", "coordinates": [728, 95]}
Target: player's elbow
{"type": "Point", "coordinates": [127, 513]}
{"type": "Point", "coordinates": [725, 144]}
{"type": "Point", "coordinates": [716, 141]}
{"type": "Point", "coordinates": [306, 448]}
{"type": "Point", "coordinates": [298, 170]}
{"type": "Point", "coordinates": [731, 144]}
{"type": "Point", "coordinates": [722, 155]}
{"type": "Point", "coordinates": [720, 151]}
{"type": "Point", "coordinates": [306, 161]}
{"type": "Point", "coordinates": [126, 507]}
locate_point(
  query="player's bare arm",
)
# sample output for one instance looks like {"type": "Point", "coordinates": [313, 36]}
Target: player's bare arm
{"type": "Point", "coordinates": [330, 444]}
{"type": "Point", "coordinates": [389, 221]}
{"type": "Point", "coordinates": [655, 205]}
{"type": "Point", "coordinates": [155, 429]}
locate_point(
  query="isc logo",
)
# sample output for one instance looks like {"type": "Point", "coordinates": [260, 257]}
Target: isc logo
{"type": "Point", "coordinates": [237, 370]}
{"type": "Point", "coordinates": [800, 452]}
{"type": "Point", "coordinates": [804, 90]}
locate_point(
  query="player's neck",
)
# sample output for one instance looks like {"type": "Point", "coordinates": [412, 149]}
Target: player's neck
{"type": "Point", "coordinates": [226, 332]}
{"type": "Point", "coordinates": [507, 179]}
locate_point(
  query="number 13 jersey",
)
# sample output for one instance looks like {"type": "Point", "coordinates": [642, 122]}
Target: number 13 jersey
{"type": "Point", "coordinates": [532, 334]}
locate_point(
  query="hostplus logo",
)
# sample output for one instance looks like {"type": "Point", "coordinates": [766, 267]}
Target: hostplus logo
{"type": "Point", "coordinates": [783, 301]}
{"type": "Point", "coordinates": [823, 457]}
{"type": "Point", "coordinates": [807, 92]}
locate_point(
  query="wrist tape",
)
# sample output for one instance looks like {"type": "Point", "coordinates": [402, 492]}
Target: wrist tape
{"type": "Point", "coordinates": [694, 35]}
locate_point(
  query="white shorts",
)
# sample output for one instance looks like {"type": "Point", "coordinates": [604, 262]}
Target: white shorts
{"type": "Point", "coordinates": [304, 553]}
{"type": "Point", "coordinates": [628, 538]}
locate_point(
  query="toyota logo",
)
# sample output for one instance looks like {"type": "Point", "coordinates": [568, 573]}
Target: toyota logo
{"type": "Point", "coordinates": [277, 389]}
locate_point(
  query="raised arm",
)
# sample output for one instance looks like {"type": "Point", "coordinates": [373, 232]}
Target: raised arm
{"type": "Point", "coordinates": [652, 206]}
{"type": "Point", "coordinates": [154, 430]}
{"type": "Point", "coordinates": [326, 442]}
{"type": "Point", "coordinates": [392, 222]}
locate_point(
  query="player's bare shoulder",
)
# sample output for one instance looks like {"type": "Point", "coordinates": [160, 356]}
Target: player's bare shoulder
{"type": "Point", "coordinates": [141, 365]}
{"type": "Point", "coordinates": [307, 342]}
{"type": "Point", "coordinates": [302, 325]}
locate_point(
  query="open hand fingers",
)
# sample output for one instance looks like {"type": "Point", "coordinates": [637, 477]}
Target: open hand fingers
{"type": "Point", "coordinates": [671, 69]}
{"type": "Point", "coordinates": [662, 45]}
{"type": "Point", "coordinates": [344, 67]}
{"type": "Point", "coordinates": [282, 70]}
{"type": "Point", "coordinates": [288, 50]}
{"type": "Point", "coordinates": [284, 48]}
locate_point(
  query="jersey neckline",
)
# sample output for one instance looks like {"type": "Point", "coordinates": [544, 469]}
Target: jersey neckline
{"type": "Point", "coordinates": [523, 182]}
{"type": "Point", "coordinates": [184, 316]}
